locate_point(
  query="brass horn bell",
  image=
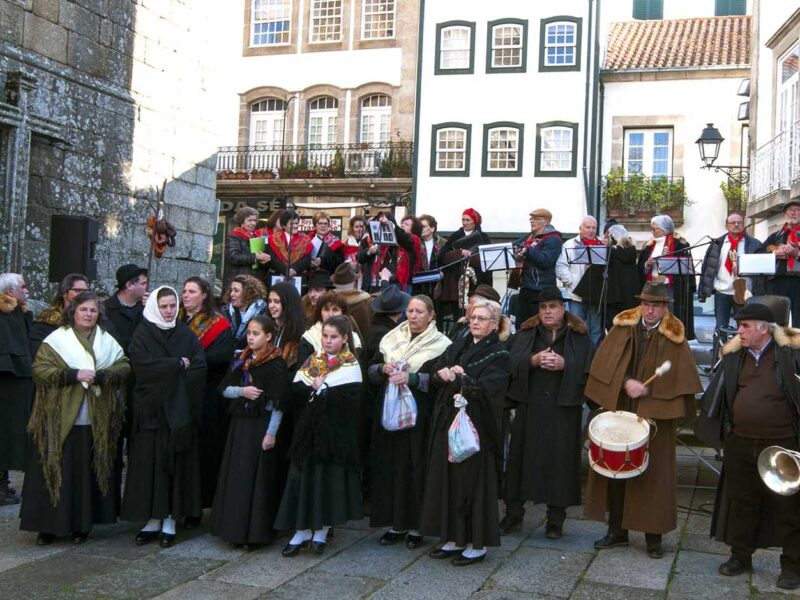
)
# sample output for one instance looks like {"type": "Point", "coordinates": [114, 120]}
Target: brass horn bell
{"type": "Point", "coordinates": [780, 470]}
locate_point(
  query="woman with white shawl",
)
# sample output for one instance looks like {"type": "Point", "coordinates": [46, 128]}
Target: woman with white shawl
{"type": "Point", "coordinates": [79, 372]}
{"type": "Point", "coordinates": [399, 457]}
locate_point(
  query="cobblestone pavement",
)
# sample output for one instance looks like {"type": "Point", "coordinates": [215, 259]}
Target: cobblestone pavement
{"type": "Point", "coordinates": [527, 566]}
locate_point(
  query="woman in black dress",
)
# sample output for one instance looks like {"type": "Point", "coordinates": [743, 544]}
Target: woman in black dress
{"type": "Point", "coordinates": [460, 504]}
{"type": "Point", "coordinates": [323, 487]}
{"type": "Point", "coordinates": [163, 480]}
{"type": "Point", "coordinates": [252, 474]}
{"type": "Point", "coordinates": [79, 372]}
{"type": "Point", "coordinates": [399, 457]}
{"type": "Point", "coordinates": [286, 309]}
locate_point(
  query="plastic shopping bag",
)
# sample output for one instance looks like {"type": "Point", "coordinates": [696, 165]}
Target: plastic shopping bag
{"type": "Point", "coordinates": [399, 408]}
{"type": "Point", "coordinates": [462, 437]}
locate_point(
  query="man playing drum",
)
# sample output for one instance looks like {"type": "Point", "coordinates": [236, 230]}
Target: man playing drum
{"type": "Point", "coordinates": [640, 341]}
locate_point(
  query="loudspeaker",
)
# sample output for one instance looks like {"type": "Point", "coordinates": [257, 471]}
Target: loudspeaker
{"type": "Point", "coordinates": [73, 241]}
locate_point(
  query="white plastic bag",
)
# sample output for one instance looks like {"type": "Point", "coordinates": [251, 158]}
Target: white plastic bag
{"type": "Point", "coordinates": [462, 437]}
{"type": "Point", "coordinates": [399, 408]}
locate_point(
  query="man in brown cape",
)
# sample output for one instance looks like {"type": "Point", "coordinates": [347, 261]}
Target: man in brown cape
{"type": "Point", "coordinates": [641, 340]}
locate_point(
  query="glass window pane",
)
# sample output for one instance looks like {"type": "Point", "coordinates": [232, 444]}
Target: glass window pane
{"type": "Point", "coordinates": [271, 22]}
{"type": "Point", "coordinates": [455, 48]}
{"type": "Point", "coordinates": [378, 19]}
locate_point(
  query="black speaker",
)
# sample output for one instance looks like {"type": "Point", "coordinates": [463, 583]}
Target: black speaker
{"type": "Point", "coordinates": [73, 241]}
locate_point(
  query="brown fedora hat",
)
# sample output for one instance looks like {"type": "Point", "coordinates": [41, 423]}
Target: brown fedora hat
{"type": "Point", "coordinates": [343, 275]}
{"type": "Point", "coordinates": [654, 291]}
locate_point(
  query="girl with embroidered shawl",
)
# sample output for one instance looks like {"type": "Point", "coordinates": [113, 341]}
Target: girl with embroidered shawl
{"type": "Point", "coordinates": [329, 305]}
{"type": "Point", "coordinates": [163, 481]}
{"type": "Point", "coordinates": [79, 372]}
{"type": "Point", "coordinates": [214, 333]}
{"type": "Point", "coordinates": [460, 502]}
{"type": "Point", "coordinates": [322, 488]}
{"type": "Point", "coordinates": [289, 249]}
{"type": "Point", "coordinates": [398, 458]}
{"type": "Point", "coordinates": [253, 468]}
{"type": "Point", "coordinates": [246, 299]}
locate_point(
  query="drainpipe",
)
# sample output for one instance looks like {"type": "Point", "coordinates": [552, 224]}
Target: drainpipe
{"type": "Point", "coordinates": [597, 120]}
{"type": "Point", "coordinates": [587, 187]}
{"type": "Point", "coordinates": [418, 95]}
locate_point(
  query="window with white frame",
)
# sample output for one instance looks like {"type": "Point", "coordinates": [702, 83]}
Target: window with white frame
{"type": "Point", "coordinates": [455, 50]}
{"type": "Point", "coordinates": [326, 21]}
{"type": "Point", "coordinates": [788, 76]}
{"type": "Point", "coordinates": [450, 149]}
{"type": "Point", "coordinates": [377, 19]}
{"type": "Point", "coordinates": [323, 113]}
{"type": "Point", "coordinates": [502, 149]}
{"type": "Point", "coordinates": [560, 44]}
{"type": "Point", "coordinates": [556, 149]}
{"type": "Point", "coordinates": [507, 45]}
{"type": "Point", "coordinates": [649, 152]}
{"type": "Point", "coordinates": [376, 119]}
{"type": "Point", "coordinates": [266, 122]}
{"type": "Point", "coordinates": [270, 22]}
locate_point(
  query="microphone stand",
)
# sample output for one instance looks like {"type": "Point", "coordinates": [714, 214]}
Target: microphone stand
{"type": "Point", "coordinates": [604, 290]}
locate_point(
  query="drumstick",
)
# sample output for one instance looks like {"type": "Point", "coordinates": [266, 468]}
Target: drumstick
{"type": "Point", "coordinates": [665, 366]}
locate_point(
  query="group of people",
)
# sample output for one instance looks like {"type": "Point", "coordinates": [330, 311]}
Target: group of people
{"type": "Point", "coordinates": [289, 413]}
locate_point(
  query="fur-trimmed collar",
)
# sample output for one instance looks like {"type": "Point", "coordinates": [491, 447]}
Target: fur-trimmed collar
{"type": "Point", "coordinates": [52, 315]}
{"type": "Point", "coordinates": [353, 296]}
{"type": "Point", "coordinates": [503, 328]}
{"type": "Point", "coordinates": [8, 303]}
{"type": "Point", "coordinates": [670, 326]}
{"type": "Point", "coordinates": [573, 322]}
{"type": "Point", "coordinates": [783, 336]}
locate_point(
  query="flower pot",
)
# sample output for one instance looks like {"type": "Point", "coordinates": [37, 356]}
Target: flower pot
{"type": "Point", "coordinates": [617, 213]}
{"type": "Point", "coordinates": [262, 175]}
{"type": "Point", "coordinates": [645, 214]}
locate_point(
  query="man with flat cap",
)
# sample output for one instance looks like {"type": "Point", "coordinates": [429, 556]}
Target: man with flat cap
{"type": "Point", "coordinates": [785, 245]}
{"type": "Point", "coordinates": [641, 339]}
{"type": "Point", "coordinates": [539, 252]}
{"type": "Point", "coordinates": [550, 357]}
{"type": "Point", "coordinates": [753, 402]}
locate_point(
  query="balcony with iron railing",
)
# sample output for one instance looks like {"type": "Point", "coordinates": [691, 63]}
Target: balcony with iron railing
{"type": "Point", "coordinates": [637, 198]}
{"type": "Point", "coordinates": [315, 161]}
{"type": "Point", "coordinates": [775, 167]}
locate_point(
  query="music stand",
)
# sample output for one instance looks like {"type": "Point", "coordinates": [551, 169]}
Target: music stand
{"type": "Point", "coordinates": [587, 255]}
{"type": "Point", "coordinates": [296, 280]}
{"type": "Point", "coordinates": [757, 264]}
{"type": "Point", "coordinates": [497, 257]}
{"type": "Point", "coordinates": [675, 265]}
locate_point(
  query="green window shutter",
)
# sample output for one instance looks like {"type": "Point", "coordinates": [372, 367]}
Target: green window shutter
{"type": "Point", "coordinates": [648, 9]}
{"type": "Point", "coordinates": [724, 8]}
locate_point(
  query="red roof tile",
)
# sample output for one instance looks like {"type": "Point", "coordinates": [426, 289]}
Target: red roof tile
{"type": "Point", "coordinates": [678, 43]}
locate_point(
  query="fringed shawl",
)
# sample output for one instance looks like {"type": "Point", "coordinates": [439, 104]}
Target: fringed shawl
{"type": "Point", "coordinates": [399, 345]}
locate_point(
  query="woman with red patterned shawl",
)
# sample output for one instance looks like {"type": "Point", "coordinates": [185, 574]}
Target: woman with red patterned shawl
{"type": "Point", "coordinates": [239, 259]}
{"type": "Point", "coordinates": [327, 250]}
{"type": "Point", "coordinates": [289, 248]}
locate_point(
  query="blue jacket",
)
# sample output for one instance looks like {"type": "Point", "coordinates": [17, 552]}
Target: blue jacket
{"type": "Point", "coordinates": [539, 262]}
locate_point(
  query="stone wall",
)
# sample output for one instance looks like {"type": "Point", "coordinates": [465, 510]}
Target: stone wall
{"type": "Point", "coordinates": [132, 84]}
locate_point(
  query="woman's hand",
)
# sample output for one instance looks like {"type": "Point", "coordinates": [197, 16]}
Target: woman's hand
{"type": "Point", "coordinates": [388, 368]}
{"type": "Point", "coordinates": [457, 370]}
{"type": "Point", "coordinates": [318, 383]}
{"type": "Point", "coordinates": [446, 375]}
{"type": "Point", "coordinates": [372, 249]}
{"type": "Point", "coordinates": [85, 375]}
{"type": "Point", "coordinates": [268, 442]}
{"type": "Point", "coordinates": [399, 377]}
{"type": "Point", "coordinates": [292, 273]}
{"type": "Point", "coordinates": [466, 252]}
{"type": "Point", "coordinates": [316, 262]}
{"type": "Point", "coordinates": [251, 392]}
{"type": "Point", "coordinates": [186, 362]}
{"type": "Point", "coordinates": [263, 257]}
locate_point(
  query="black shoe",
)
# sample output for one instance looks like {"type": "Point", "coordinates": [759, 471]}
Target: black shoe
{"type": "Point", "coordinates": [292, 550]}
{"type": "Point", "coordinates": [191, 522]}
{"type": "Point", "coordinates": [166, 540]}
{"type": "Point", "coordinates": [463, 561]}
{"type": "Point", "coordinates": [318, 547]}
{"type": "Point", "coordinates": [655, 550]}
{"type": "Point", "coordinates": [612, 540]}
{"type": "Point", "coordinates": [553, 531]}
{"type": "Point", "coordinates": [78, 537]}
{"type": "Point", "coordinates": [45, 539]}
{"type": "Point", "coordinates": [788, 580]}
{"type": "Point", "coordinates": [438, 553]}
{"type": "Point", "coordinates": [414, 541]}
{"type": "Point", "coordinates": [390, 538]}
{"type": "Point", "coordinates": [8, 497]}
{"type": "Point", "coordinates": [143, 537]}
{"type": "Point", "coordinates": [510, 525]}
{"type": "Point", "coordinates": [329, 536]}
{"type": "Point", "coordinates": [734, 566]}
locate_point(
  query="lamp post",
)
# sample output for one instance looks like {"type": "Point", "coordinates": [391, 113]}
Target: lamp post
{"type": "Point", "coordinates": [709, 143]}
{"type": "Point", "coordinates": [286, 104]}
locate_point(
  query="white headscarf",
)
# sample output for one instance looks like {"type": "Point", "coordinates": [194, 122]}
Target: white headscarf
{"type": "Point", "coordinates": [151, 312]}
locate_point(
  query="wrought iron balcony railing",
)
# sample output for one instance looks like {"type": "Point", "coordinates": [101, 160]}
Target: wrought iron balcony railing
{"type": "Point", "coordinates": [314, 161]}
{"type": "Point", "coordinates": [776, 165]}
{"type": "Point", "coordinates": [637, 194]}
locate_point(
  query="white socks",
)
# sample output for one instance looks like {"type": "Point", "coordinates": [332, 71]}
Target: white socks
{"type": "Point", "coordinates": [414, 532]}
{"type": "Point", "coordinates": [300, 536]}
{"type": "Point", "coordinates": [470, 552]}
{"type": "Point", "coordinates": [152, 525]}
{"type": "Point", "coordinates": [450, 546]}
{"type": "Point", "coordinates": [168, 526]}
{"type": "Point", "coordinates": [393, 530]}
{"type": "Point", "coordinates": [321, 535]}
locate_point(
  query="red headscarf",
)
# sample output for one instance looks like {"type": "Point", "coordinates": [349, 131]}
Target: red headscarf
{"type": "Point", "coordinates": [474, 215]}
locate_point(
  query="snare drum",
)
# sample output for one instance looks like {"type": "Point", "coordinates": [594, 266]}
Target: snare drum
{"type": "Point", "coordinates": [618, 444]}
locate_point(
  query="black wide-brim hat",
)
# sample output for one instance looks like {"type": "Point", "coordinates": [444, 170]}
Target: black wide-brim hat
{"type": "Point", "coordinates": [320, 278]}
{"type": "Point", "coordinates": [390, 301]}
{"type": "Point", "coordinates": [128, 273]}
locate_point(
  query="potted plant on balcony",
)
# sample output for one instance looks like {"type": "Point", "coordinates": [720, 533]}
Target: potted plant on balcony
{"type": "Point", "coordinates": [669, 196]}
{"type": "Point", "coordinates": [638, 198]}
{"type": "Point", "coordinates": [336, 168]}
{"type": "Point", "coordinates": [235, 175]}
{"type": "Point", "coordinates": [735, 195]}
{"type": "Point", "coordinates": [262, 174]}
{"type": "Point", "coordinates": [288, 170]}
{"type": "Point", "coordinates": [614, 188]}
{"type": "Point", "coordinates": [401, 168]}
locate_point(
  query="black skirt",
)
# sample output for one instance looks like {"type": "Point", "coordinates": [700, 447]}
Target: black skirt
{"type": "Point", "coordinates": [15, 410]}
{"type": "Point", "coordinates": [213, 432]}
{"type": "Point", "coordinates": [317, 495]}
{"type": "Point", "coordinates": [155, 488]}
{"type": "Point", "coordinates": [250, 484]}
{"type": "Point", "coordinates": [80, 504]}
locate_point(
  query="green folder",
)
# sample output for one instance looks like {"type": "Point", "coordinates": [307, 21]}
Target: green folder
{"type": "Point", "coordinates": [256, 246]}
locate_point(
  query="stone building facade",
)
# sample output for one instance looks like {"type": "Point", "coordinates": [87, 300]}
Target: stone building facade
{"type": "Point", "coordinates": [104, 101]}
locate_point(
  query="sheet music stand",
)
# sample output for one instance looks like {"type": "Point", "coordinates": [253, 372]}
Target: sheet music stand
{"type": "Point", "coordinates": [587, 255]}
{"type": "Point", "coordinates": [497, 257]}
{"type": "Point", "coordinates": [296, 280]}
{"type": "Point", "coordinates": [675, 265]}
{"type": "Point", "coordinates": [756, 264]}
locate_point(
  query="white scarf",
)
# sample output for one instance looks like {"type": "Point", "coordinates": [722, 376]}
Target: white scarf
{"type": "Point", "coordinates": [398, 345]}
{"type": "Point", "coordinates": [313, 335]}
{"type": "Point", "coordinates": [151, 312]}
{"type": "Point", "coordinates": [65, 342]}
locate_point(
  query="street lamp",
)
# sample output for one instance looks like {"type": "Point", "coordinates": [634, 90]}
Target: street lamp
{"type": "Point", "coordinates": [709, 143]}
